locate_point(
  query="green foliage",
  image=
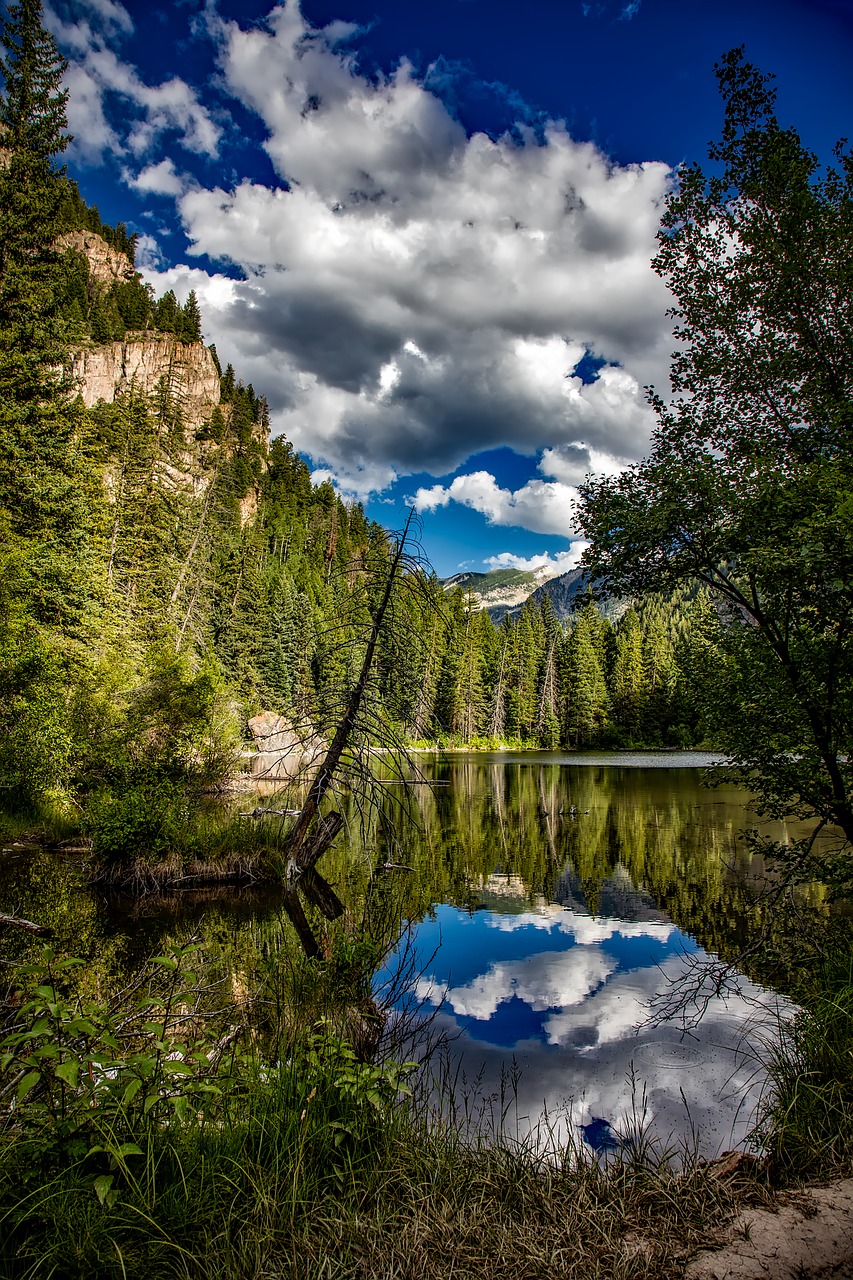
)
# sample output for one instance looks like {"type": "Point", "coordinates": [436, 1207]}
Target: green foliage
{"type": "Point", "coordinates": [35, 742]}
{"type": "Point", "coordinates": [211, 1161]}
{"type": "Point", "coordinates": [806, 1124]}
{"type": "Point", "coordinates": [95, 1080]}
{"type": "Point", "coordinates": [140, 821]}
{"type": "Point", "coordinates": [76, 215]}
{"type": "Point", "coordinates": [747, 487]}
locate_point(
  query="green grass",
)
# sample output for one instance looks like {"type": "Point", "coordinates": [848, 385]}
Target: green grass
{"type": "Point", "coordinates": [807, 1125]}
{"type": "Point", "coordinates": [171, 1134]}
{"type": "Point", "coordinates": [268, 1189]}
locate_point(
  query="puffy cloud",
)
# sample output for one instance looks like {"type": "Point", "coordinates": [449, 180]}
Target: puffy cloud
{"type": "Point", "coordinates": [614, 1013]}
{"type": "Point", "coordinates": [604, 1056]}
{"type": "Point", "coordinates": [537, 505]}
{"type": "Point", "coordinates": [586, 930]}
{"type": "Point", "coordinates": [543, 506]}
{"type": "Point", "coordinates": [160, 179]}
{"type": "Point", "coordinates": [562, 562]}
{"type": "Point", "coordinates": [414, 295]}
{"type": "Point", "coordinates": [410, 295]}
{"type": "Point", "coordinates": [96, 73]}
{"type": "Point", "coordinates": [92, 132]}
{"type": "Point", "coordinates": [548, 980]}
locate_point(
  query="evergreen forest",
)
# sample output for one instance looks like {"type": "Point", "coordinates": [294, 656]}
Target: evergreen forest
{"type": "Point", "coordinates": [201, 1071]}
{"type": "Point", "coordinates": [164, 581]}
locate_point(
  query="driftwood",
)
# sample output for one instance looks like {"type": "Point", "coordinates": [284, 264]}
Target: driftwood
{"type": "Point", "coordinates": [16, 922]}
{"type": "Point", "coordinates": [271, 813]}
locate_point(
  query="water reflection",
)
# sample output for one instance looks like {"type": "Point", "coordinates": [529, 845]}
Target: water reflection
{"type": "Point", "coordinates": [568, 997]}
{"type": "Point", "coordinates": [590, 890]}
{"type": "Point", "coordinates": [551, 900]}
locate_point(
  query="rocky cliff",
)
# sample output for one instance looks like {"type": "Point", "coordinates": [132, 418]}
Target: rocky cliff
{"type": "Point", "coordinates": [105, 263]}
{"type": "Point", "coordinates": [141, 361]}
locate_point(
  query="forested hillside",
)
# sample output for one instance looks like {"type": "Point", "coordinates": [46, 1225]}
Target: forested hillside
{"type": "Point", "coordinates": [168, 570]}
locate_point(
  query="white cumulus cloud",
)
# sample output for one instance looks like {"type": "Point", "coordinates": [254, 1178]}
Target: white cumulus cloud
{"type": "Point", "coordinates": [538, 505]}
{"type": "Point", "coordinates": [413, 295]}
{"type": "Point", "coordinates": [548, 980]}
{"type": "Point", "coordinates": [410, 295]}
{"type": "Point", "coordinates": [96, 74]}
{"type": "Point", "coordinates": [159, 179]}
{"type": "Point", "coordinates": [562, 562]}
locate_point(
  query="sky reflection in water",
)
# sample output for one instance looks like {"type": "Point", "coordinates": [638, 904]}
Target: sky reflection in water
{"type": "Point", "coordinates": [568, 995]}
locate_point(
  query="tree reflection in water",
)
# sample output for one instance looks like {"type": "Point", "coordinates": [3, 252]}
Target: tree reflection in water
{"type": "Point", "coordinates": [548, 901]}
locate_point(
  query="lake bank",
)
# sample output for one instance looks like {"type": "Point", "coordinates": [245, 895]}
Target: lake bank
{"type": "Point", "coordinates": [547, 894]}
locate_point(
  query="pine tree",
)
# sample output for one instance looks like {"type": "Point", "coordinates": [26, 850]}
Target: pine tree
{"type": "Point", "coordinates": [629, 680]}
{"type": "Point", "coordinates": [547, 720]}
{"type": "Point", "coordinates": [167, 313]}
{"type": "Point", "coordinates": [588, 703]}
{"type": "Point", "coordinates": [190, 327]}
{"type": "Point", "coordinates": [42, 490]}
{"type": "Point", "coordinates": [32, 117]}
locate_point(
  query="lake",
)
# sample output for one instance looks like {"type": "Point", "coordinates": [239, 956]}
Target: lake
{"type": "Point", "coordinates": [552, 901]}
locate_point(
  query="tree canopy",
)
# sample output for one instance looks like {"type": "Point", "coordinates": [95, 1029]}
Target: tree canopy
{"type": "Point", "coordinates": [747, 488]}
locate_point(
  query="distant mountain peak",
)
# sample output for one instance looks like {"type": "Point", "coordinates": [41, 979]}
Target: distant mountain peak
{"type": "Point", "coordinates": [502, 591]}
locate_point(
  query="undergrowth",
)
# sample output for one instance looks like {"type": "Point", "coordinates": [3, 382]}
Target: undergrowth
{"type": "Point", "coordinates": [807, 1125]}
{"type": "Point", "coordinates": [172, 1134]}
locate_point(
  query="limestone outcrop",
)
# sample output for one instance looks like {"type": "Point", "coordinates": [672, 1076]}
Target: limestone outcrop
{"type": "Point", "coordinates": [281, 754]}
{"type": "Point", "coordinates": [140, 361]}
{"type": "Point", "coordinates": [106, 264]}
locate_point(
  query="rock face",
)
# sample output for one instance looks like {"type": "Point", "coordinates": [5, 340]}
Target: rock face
{"type": "Point", "coordinates": [281, 754]}
{"type": "Point", "coordinates": [499, 591]}
{"type": "Point", "coordinates": [105, 263]}
{"type": "Point", "coordinates": [141, 360]}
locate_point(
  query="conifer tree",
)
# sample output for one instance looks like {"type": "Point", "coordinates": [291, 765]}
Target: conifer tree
{"type": "Point", "coordinates": [42, 492]}
{"type": "Point", "coordinates": [629, 684]}
{"type": "Point", "coordinates": [191, 319]}
{"type": "Point", "coordinates": [588, 703]}
{"type": "Point", "coordinates": [33, 121]}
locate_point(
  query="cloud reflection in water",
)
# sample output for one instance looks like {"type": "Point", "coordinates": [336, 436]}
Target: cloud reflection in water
{"type": "Point", "coordinates": [568, 996]}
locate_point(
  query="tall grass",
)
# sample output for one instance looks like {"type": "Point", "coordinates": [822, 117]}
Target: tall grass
{"type": "Point", "coordinates": [291, 1183]}
{"type": "Point", "coordinates": [807, 1123]}
{"type": "Point", "coordinates": [170, 1135]}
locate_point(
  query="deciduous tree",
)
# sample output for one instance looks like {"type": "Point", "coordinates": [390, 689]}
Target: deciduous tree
{"type": "Point", "coordinates": [748, 488]}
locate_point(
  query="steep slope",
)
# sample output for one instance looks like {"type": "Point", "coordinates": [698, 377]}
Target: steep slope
{"type": "Point", "coordinates": [144, 362]}
{"type": "Point", "coordinates": [500, 591]}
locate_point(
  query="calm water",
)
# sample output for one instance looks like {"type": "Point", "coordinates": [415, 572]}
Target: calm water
{"type": "Point", "coordinates": [552, 900]}
{"type": "Point", "coordinates": [595, 883]}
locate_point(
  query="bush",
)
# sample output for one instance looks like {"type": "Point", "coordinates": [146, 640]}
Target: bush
{"type": "Point", "coordinates": [143, 820]}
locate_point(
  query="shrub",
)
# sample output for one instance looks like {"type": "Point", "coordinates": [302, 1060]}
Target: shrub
{"type": "Point", "coordinates": [143, 820]}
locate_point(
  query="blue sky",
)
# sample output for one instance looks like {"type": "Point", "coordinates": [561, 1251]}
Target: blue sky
{"type": "Point", "coordinates": [423, 230]}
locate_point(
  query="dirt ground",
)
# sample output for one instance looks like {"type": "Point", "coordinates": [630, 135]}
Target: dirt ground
{"type": "Point", "coordinates": [810, 1237]}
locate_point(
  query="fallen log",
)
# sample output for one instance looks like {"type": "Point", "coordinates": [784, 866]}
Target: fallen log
{"type": "Point", "coordinates": [16, 922]}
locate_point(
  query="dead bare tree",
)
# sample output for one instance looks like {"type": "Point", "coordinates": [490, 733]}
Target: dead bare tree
{"type": "Point", "coordinates": [359, 729]}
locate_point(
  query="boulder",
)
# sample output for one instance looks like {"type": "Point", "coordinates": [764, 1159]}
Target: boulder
{"type": "Point", "coordinates": [281, 753]}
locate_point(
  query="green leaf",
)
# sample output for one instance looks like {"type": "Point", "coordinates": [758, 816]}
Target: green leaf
{"type": "Point", "coordinates": [177, 1068]}
{"type": "Point", "coordinates": [46, 1051]}
{"type": "Point", "coordinates": [103, 1186]}
{"type": "Point", "coordinates": [180, 1104]}
{"type": "Point", "coordinates": [82, 1027]}
{"type": "Point", "coordinates": [29, 1081]}
{"type": "Point", "coordinates": [69, 1071]}
{"type": "Point", "coordinates": [130, 1092]}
